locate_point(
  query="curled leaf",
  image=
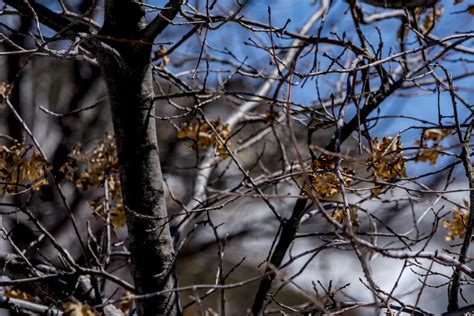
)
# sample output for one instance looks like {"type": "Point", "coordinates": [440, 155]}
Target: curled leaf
{"type": "Point", "coordinates": [127, 303]}
{"type": "Point", "coordinates": [435, 134]}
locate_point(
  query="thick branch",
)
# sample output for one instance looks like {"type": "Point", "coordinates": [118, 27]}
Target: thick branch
{"type": "Point", "coordinates": [288, 232]}
{"type": "Point", "coordinates": [401, 3]}
{"type": "Point", "coordinates": [130, 89]}
{"type": "Point", "coordinates": [17, 305]}
{"type": "Point", "coordinates": [161, 21]}
{"type": "Point", "coordinates": [51, 19]}
{"type": "Point", "coordinates": [468, 168]}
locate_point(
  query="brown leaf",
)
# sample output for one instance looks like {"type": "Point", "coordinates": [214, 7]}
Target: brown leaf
{"type": "Point", "coordinates": [387, 161]}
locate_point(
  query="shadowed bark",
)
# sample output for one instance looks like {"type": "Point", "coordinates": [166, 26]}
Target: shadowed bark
{"type": "Point", "coordinates": [131, 98]}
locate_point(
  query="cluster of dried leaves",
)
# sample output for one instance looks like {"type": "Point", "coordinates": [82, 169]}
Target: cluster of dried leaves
{"type": "Point", "coordinates": [71, 306]}
{"type": "Point", "coordinates": [203, 135]}
{"type": "Point", "coordinates": [21, 169]}
{"type": "Point", "coordinates": [457, 226]}
{"type": "Point", "coordinates": [324, 181]}
{"type": "Point", "coordinates": [99, 168]}
{"type": "Point", "coordinates": [430, 148]}
{"type": "Point", "coordinates": [339, 215]}
{"type": "Point", "coordinates": [387, 162]}
{"type": "Point", "coordinates": [13, 292]}
{"type": "Point", "coordinates": [77, 308]}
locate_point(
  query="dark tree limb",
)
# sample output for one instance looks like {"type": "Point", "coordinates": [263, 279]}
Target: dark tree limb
{"type": "Point", "coordinates": [162, 20]}
{"type": "Point", "coordinates": [465, 157]}
{"type": "Point", "coordinates": [399, 4]}
{"type": "Point", "coordinates": [20, 306]}
{"type": "Point", "coordinates": [288, 232]}
{"type": "Point", "coordinates": [51, 19]}
{"type": "Point", "coordinates": [129, 82]}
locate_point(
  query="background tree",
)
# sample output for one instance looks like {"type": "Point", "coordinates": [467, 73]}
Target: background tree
{"type": "Point", "coordinates": [281, 146]}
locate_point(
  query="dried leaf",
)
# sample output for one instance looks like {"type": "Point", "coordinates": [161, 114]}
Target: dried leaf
{"type": "Point", "coordinates": [162, 53]}
{"type": "Point", "coordinates": [5, 90]}
{"type": "Point", "coordinates": [77, 308]}
{"type": "Point", "coordinates": [203, 136]}
{"type": "Point", "coordinates": [431, 149]}
{"type": "Point", "coordinates": [430, 154]}
{"type": "Point", "coordinates": [22, 169]}
{"type": "Point", "coordinates": [324, 181]}
{"type": "Point", "coordinates": [92, 170]}
{"type": "Point", "coordinates": [17, 293]}
{"type": "Point", "coordinates": [117, 216]}
{"type": "Point", "coordinates": [457, 226]}
{"type": "Point", "coordinates": [430, 19]}
{"type": "Point", "coordinates": [435, 134]}
{"type": "Point", "coordinates": [387, 161]}
{"type": "Point", "coordinates": [339, 215]}
{"type": "Point", "coordinates": [470, 9]}
{"type": "Point", "coordinates": [127, 303]}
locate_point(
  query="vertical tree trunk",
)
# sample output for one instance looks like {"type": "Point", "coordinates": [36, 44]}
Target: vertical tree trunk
{"type": "Point", "coordinates": [131, 100]}
{"type": "Point", "coordinates": [150, 242]}
{"type": "Point", "coordinates": [130, 89]}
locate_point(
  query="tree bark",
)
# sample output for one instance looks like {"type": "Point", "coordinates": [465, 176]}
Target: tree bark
{"type": "Point", "coordinates": [150, 242]}
{"type": "Point", "coordinates": [130, 87]}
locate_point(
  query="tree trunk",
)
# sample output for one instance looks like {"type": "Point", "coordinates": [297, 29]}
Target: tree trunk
{"type": "Point", "coordinates": [130, 88]}
{"type": "Point", "coordinates": [150, 242]}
